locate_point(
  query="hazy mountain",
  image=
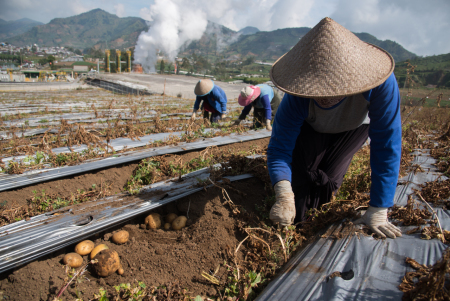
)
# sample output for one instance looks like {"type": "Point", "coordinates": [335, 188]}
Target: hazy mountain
{"type": "Point", "coordinates": [270, 45]}
{"type": "Point", "coordinates": [248, 30]}
{"type": "Point", "coordinates": [13, 28]}
{"type": "Point", "coordinates": [94, 28]}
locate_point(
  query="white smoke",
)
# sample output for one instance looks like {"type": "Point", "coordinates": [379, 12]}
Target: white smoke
{"type": "Point", "coordinates": [171, 26]}
{"type": "Point", "coordinates": [221, 40]}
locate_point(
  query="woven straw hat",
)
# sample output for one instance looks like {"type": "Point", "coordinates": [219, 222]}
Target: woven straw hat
{"type": "Point", "coordinates": [330, 61]}
{"type": "Point", "coordinates": [203, 87]}
{"type": "Point", "coordinates": [248, 95]}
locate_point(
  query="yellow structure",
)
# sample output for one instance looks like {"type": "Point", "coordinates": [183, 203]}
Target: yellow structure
{"type": "Point", "coordinates": [118, 61]}
{"type": "Point", "coordinates": [107, 65]}
{"type": "Point", "coordinates": [10, 71]}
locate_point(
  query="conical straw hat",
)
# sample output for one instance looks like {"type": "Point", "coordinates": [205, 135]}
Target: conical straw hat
{"type": "Point", "coordinates": [330, 61]}
{"type": "Point", "coordinates": [203, 87]}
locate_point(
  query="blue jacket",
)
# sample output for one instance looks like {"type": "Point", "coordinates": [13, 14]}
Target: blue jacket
{"type": "Point", "coordinates": [216, 98]}
{"type": "Point", "coordinates": [261, 102]}
{"type": "Point", "coordinates": [384, 133]}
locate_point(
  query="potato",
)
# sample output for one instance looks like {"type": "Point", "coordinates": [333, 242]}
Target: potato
{"type": "Point", "coordinates": [167, 226]}
{"type": "Point", "coordinates": [120, 271]}
{"type": "Point", "coordinates": [179, 223]}
{"type": "Point", "coordinates": [97, 249]}
{"type": "Point", "coordinates": [85, 247]}
{"type": "Point", "coordinates": [73, 260]}
{"type": "Point", "coordinates": [120, 237]}
{"type": "Point", "coordinates": [108, 262]}
{"type": "Point", "coordinates": [170, 217]}
{"type": "Point", "coordinates": [153, 221]}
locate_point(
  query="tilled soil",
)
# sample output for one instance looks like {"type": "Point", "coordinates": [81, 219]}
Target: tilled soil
{"type": "Point", "coordinates": [115, 177]}
{"type": "Point", "coordinates": [155, 257]}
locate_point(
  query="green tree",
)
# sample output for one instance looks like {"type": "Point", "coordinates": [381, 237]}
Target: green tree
{"type": "Point", "coordinates": [77, 51]}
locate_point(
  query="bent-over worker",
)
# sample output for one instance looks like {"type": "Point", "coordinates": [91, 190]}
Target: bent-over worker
{"type": "Point", "coordinates": [214, 100]}
{"type": "Point", "coordinates": [264, 100]}
{"type": "Point", "coordinates": [340, 91]}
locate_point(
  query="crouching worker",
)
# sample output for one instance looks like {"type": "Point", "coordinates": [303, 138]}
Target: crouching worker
{"type": "Point", "coordinates": [264, 100]}
{"type": "Point", "coordinates": [339, 92]}
{"type": "Point", "coordinates": [214, 100]}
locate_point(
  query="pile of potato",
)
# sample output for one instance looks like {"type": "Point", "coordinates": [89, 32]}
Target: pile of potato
{"type": "Point", "coordinates": [108, 261]}
{"type": "Point", "coordinates": [172, 221]}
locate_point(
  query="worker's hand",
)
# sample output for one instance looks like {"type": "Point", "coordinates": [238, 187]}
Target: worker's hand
{"type": "Point", "coordinates": [268, 125]}
{"type": "Point", "coordinates": [193, 116]}
{"type": "Point", "coordinates": [238, 122]}
{"type": "Point", "coordinates": [283, 211]}
{"type": "Point", "coordinates": [376, 219]}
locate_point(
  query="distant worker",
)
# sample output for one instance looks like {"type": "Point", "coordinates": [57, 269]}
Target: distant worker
{"type": "Point", "coordinates": [339, 92]}
{"type": "Point", "coordinates": [214, 100]}
{"type": "Point", "coordinates": [264, 100]}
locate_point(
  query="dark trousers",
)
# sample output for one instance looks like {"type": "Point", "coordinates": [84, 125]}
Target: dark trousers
{"type": "Point", "coordinates": [215, 116]}
{"type": "Point", "coordinates": [319, 163]}
{"type": "Point", "coordinates": [260, 114]}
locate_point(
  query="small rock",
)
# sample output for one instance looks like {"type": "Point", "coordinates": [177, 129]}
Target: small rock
{"type": "Point", "coordinates": [133, 239]}
{"type": "Point", "coordinates": [143, 226]}
{"type": "Point", "coordinates": [141, 268]}
{"type": "Point", "coordinates": [107, 236]}
{"type": "Point", "coordinates": [159, 251]}
{"type": "Point", "coordinates": [101, 282]}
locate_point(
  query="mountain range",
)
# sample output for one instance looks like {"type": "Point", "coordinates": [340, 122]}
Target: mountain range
{"type": "Point", "coordinates": [13, 28]}
{"type": "Point", "coordinates": [102, 30]}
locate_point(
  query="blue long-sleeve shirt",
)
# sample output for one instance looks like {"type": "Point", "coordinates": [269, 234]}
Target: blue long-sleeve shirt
{"type": "Point", "coordinates": [216, 98]}
{"type": "Point", "coordinates": [384, 133]}
{"type": "Point", "coordinates": [261, 102]}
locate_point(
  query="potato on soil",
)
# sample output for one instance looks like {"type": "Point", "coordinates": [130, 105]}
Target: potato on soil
{"type": "Point", "coordinates": [167, 226]}
{"type": "Point", "coordinates": [153, 221]}
{"type": "Point", "coordinates": [170, 217]}
{"type": "Point", "coordinates": [85, 247]}
{"type": "Point", "coordinates": [73, 260]}
{"type": "Point", "coordinates": [97, 249]}
{"type": "Point", "coordinates": [179, 223]}
{"type": "Point", "coordinates": [120, 271]}
{"type": "Point", "coordinates": [120, 237]}
{"type": "Point", "coordinates": [108, 262]}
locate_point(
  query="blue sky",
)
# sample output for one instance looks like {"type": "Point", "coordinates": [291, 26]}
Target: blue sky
{"type": "Point", "coordinates": [419, 26]}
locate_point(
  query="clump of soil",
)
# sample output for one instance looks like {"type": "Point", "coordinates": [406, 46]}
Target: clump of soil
{"type": "Point", "coordinates": [156, 257]}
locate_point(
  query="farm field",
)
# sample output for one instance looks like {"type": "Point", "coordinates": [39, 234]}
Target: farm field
{"type": "Point", "coordinates": [229, 249]}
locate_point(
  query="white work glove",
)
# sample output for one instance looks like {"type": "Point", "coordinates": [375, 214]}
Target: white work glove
{"type": "Point", "coordinates": [223, 116]}
{"type": "Point", "coordinates": [283, 211]}
{"type": "Point", "coordinates": [193, 116]}
{"type": "Point", "coordinates": [238, 122]}
{"type": "Point", "coordinates": [376, 219]}
{"type": "Point", "coordinates": [268, 126]}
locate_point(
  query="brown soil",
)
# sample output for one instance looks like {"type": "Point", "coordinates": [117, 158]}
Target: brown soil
{"type": "Point", "coordinates": [154, 256]}
{"type": "Point", "coordinates": [117, 177]}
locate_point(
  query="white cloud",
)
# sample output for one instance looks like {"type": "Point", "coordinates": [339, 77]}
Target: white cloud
{"type": "Point", "coordinates": [419, 26]}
